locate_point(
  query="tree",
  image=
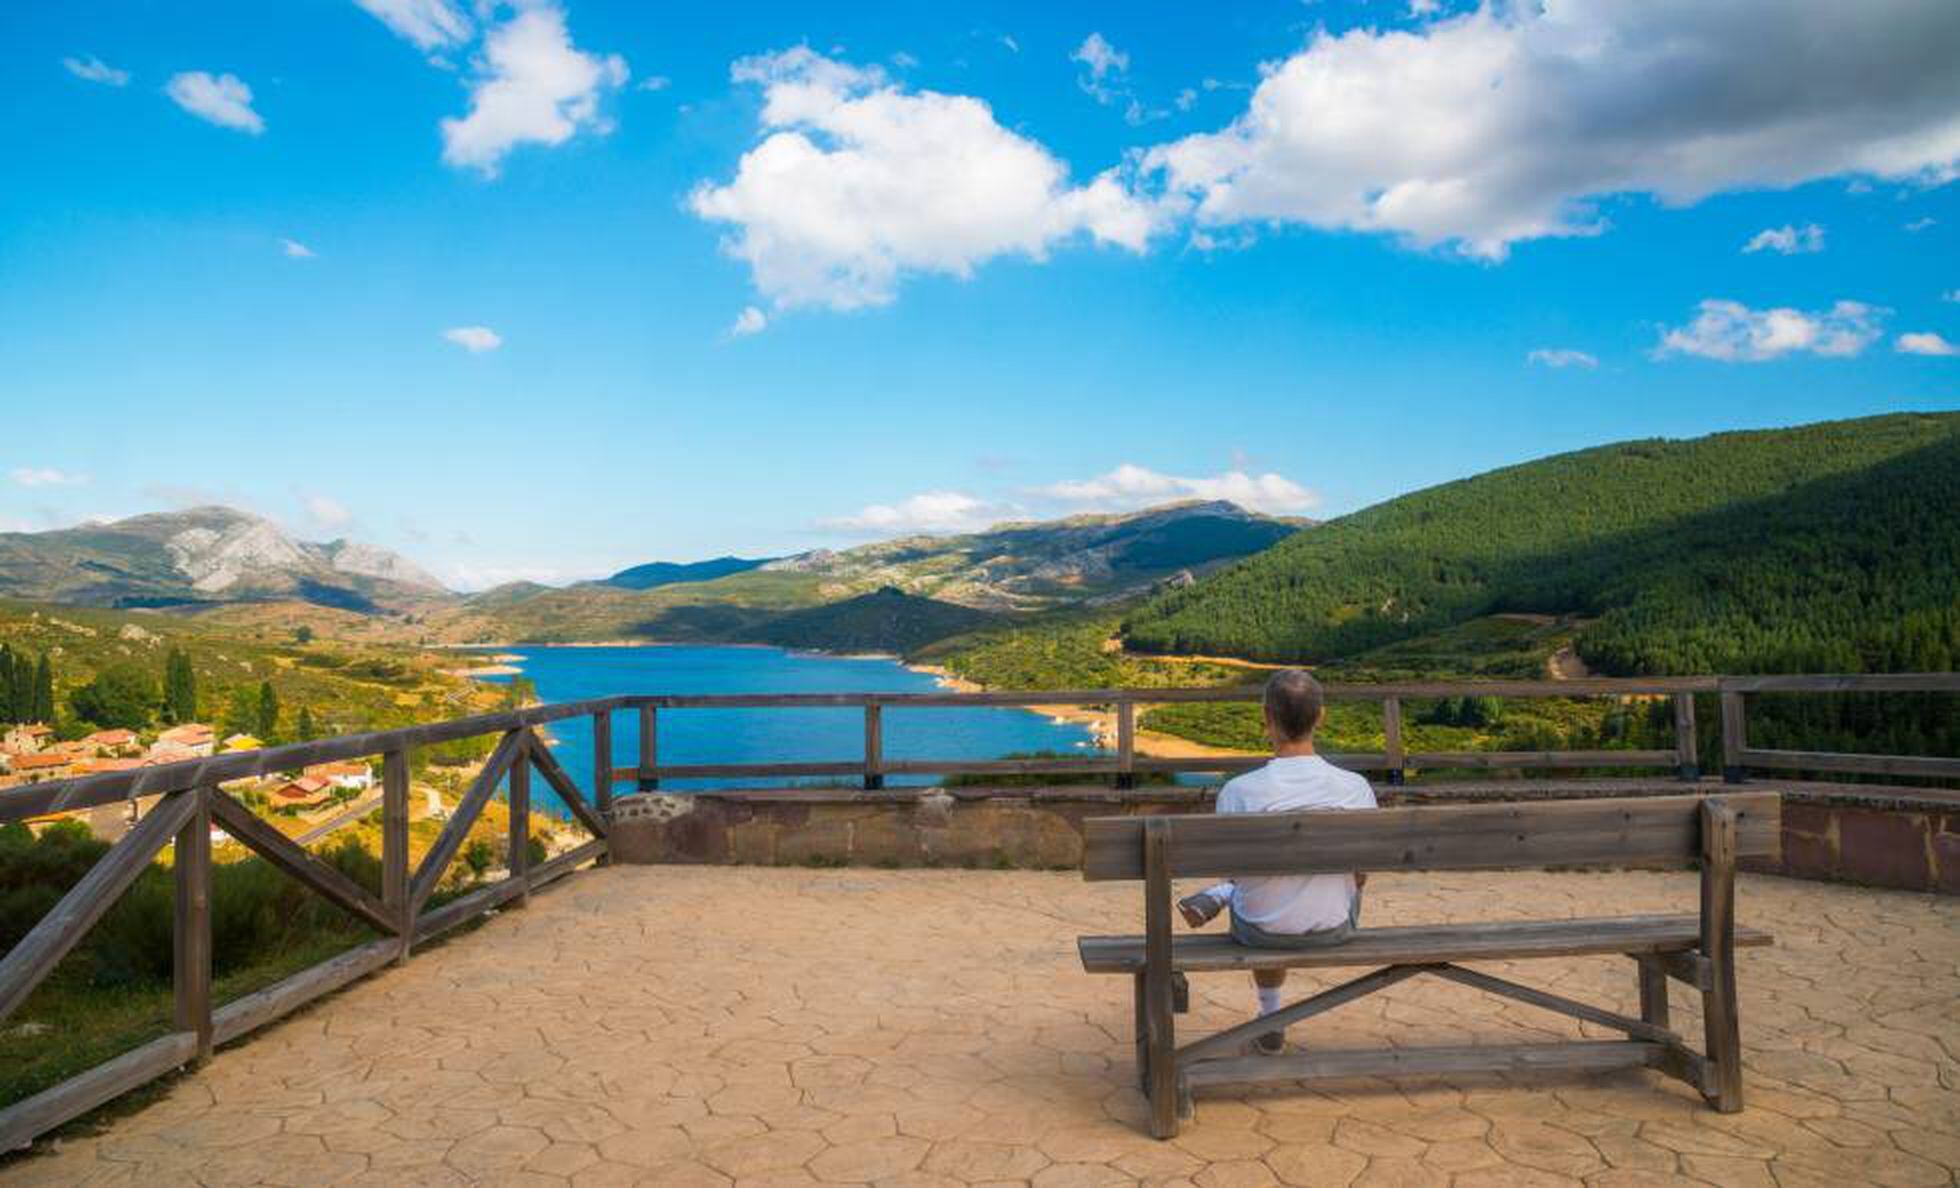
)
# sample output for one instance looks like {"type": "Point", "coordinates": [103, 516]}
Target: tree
{"type": "Point", "coordinates": [44, 690]}
{"type": "Point", "coordinates": [303, 634]}
{"type": "Point", "coordinates": [267, 723]}
{"type": "Point", "coordinates": [304, 727]}
{"type": "Point", "coordinates": [241, 714]}
{"type": "Point", "coordinates": [121, 696]}
{"type": "Point", "coordinates": [179, 688]}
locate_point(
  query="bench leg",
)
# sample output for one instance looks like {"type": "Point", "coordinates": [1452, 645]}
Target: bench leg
{"type": "Point", "coordinates": [1161, 1039]}
{"type": "Point", "coordinates": [1653, 992]}
{"type": "Point", "coordinates": [1723, 1033]}
{"type": "Point", "coordinates": [1143, 1036]}
{"type": "Point", "coordinates": [1722, 1024]}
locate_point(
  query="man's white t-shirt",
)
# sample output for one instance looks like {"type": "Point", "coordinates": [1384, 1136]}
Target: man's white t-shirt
{"type": "Point", "coordinates": [1295, 903]}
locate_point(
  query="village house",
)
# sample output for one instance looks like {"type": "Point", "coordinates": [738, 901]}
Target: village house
{"type": "Point", "coordinates": [353, 775]}
{"type": "Point", "coordinates": [243, 742]}
{"type": "Point", "coordinates": [25, 739]}
{"type": "Point", "coordinates": [307, 791]}
{"type": "Point", "coordinates": [192, 740]}
{"type": "Point", "coordinates": [112, 743]}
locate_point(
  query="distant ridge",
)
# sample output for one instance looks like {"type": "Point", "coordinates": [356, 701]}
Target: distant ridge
{"type": "Point", "coordinates": [1832, 547]}
{"type": "Point", "coordinates": [673, 573]}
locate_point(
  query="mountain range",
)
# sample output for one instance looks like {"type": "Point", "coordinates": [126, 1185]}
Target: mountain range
{"type": "Point", "coordinates": [883, 596]}
{"type": "Point", "coordinates": [206, 555]}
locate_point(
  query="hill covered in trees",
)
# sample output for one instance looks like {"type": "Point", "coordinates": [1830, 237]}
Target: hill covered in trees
{"type": "Point", "coordinates": [1827, 548]}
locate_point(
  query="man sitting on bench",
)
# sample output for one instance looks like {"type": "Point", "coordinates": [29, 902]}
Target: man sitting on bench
{"type": "Point", "coordinates": [1287, 911]}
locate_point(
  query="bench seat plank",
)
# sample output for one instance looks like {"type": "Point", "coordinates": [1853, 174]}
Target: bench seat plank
{"type": "Point", "coordinates": [1582, 1056]}
{"type": "Point", "coordinates": [1422, 943]}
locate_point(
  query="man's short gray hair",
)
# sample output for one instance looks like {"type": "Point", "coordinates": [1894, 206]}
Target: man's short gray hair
{"type": "Point", "coordinates": [1293, 702]}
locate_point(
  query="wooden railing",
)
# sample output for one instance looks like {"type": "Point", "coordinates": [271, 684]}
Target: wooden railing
{"type": "Point", "coordinates": [189, 800]}
{"type": "Point", "coordinates": [1394, 760]}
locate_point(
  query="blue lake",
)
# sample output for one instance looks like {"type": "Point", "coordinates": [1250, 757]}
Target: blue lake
{"type": "Point", "coordinates": [768, 735]}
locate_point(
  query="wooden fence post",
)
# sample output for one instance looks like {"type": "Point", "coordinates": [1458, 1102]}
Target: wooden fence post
{"type": "Point", "coordinates": [1687, 750]}
{"type": "Point", "coordinates": [874, 746]}
{"type": "Point", "coordinates": [649, 748]}
{"type": "Point", "coordinates": [519, 860]}
{"type": "Point", "coordinates": [602, 769]}
{"type": "Point", "coordinates": [394, 845]}
{"type": "Point", "coordinates": [1126, 744]}
{"type": "Point", "coordinates": [191, 937]}
{"type": "Point", "coordinates": [1735, 732]}
{"type": "Point", "coordinates": [1392, 740]}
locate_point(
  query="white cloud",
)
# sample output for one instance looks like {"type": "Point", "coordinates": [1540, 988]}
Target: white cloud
{"type": "Point", "coordinates": [95, 70]}
{"type": "Point", "coordinates": [1560, 357]}
{"type": "Point", "coordinates": [904, 61]}
{"type": "Point", "coordinates": [859, 182]}
{"type": "Point", "coordinates": [750, 321]}
{"type": "Point", "coordinates": [1423, 8]}
{"type": "Point", "coordinates": [1787, 240]}
{"type": "Point", "coordinates": [1505, 123]}
{"type": "Point", "coordinates": [1925, 344]}
{"type": "Point", "coordinates": [295, 249]}
{"type": "Point", "coordinates": [933, 511]}
{"type": "Point", "coordinates": [327, 512]}
{"type": "Point", "coordinates": [1100, 57]}
{"type": "Point", "coordinates": [224, 100]}
{"type": "Point", "coordinates": [1920, 224]}
{"type": "Point", "coordinates": [1733, 333]}
{"type": "Point", "coordinates": [1130, 486]}
{"type": "Point", "coordinates": [1187, 99]}
{"type": "Point", "coordinates": [532, 86]}
{"type": "Point", "coordinates": [657, 82]}
{"type": "Point", "coordinates": [45, 476]}
{"type": "Point", "coordinates": [429, 24]}
{"type": "Point", "coordinates": [474, 339]}
{"type": "Point", "coordinates": [1950, 295]}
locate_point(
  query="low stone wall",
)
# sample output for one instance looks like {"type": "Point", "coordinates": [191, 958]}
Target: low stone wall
{"type": "Point", "coordinates": [1908, 842]}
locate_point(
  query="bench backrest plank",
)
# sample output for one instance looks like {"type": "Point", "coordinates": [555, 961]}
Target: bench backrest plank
{"type": "Point", "coordinates": [1631, 831]}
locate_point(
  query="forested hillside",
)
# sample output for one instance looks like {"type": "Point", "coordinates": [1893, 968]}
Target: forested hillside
{"type": "Point", "coordinates": [1827, 547]}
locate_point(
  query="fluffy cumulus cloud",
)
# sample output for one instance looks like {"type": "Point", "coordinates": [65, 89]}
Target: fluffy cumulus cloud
{"type": "Point", "coordinates": [858, 182]}
{"type": "Point", "coordinates": [1731, 332]}
{"type": "Point", "coordinates": [1925, 343]}
{"type": "Point", "coordinates": [531, 86]}
{"type": "Point", "coordinates": [223, 100]}
{"type": "Point", "coordinates": [933, 511]}
{"type": "Point", "coordinates": [45, 476]}
{"type": "Point", "coordinates": [1787, 240]}
{"type": "Point", "coordinates": [93, 69]}
{"type": "Point", "coordinates": [1129, 487]}
{"type": "Point", "coordinates": [430, 24]}
{"type": "Point", "coordinates": [1504, 123]}
{"type": "Point", "coordinates": [474, 339]}
{"type": "Point", "coordinates": [750, 321]}
{"type": "Point", "coordinates": [1561, 357]}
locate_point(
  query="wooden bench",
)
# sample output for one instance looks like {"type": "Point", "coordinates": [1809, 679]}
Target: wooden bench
{"type": "Point", "coordinates": [1694, 948]}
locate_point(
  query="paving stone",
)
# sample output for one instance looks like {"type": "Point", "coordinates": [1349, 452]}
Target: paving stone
{"type": "Point", "coordinates": [604, 1037]}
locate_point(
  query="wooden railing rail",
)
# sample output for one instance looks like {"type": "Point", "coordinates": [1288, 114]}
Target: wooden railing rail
{"type": "Point", "coordinates": [191, 801]}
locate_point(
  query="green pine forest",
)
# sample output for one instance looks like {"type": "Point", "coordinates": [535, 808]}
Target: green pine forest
{"type": "Point", "coordinates": [1832, 547]}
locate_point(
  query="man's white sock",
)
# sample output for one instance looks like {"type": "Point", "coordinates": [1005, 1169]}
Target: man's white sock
{"type": "Point", "coordinates": [1222, 892]}
{"type": "Point", "coordinates": [1268, 999]}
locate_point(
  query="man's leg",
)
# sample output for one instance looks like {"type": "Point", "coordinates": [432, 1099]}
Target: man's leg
{"type": "Point", "coordinates": [1267, 983]}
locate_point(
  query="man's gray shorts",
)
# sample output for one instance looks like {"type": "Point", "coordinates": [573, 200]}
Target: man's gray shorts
{"type": "Point", "coordinates": [1250, 934]}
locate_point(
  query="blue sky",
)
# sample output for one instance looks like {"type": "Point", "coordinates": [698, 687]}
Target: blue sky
{"type": "Point", "coordinates": [543, 290]}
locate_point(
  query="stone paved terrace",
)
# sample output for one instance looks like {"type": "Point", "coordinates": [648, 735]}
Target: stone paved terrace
{"type": "Point", "coordinates": [700, 1025]}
